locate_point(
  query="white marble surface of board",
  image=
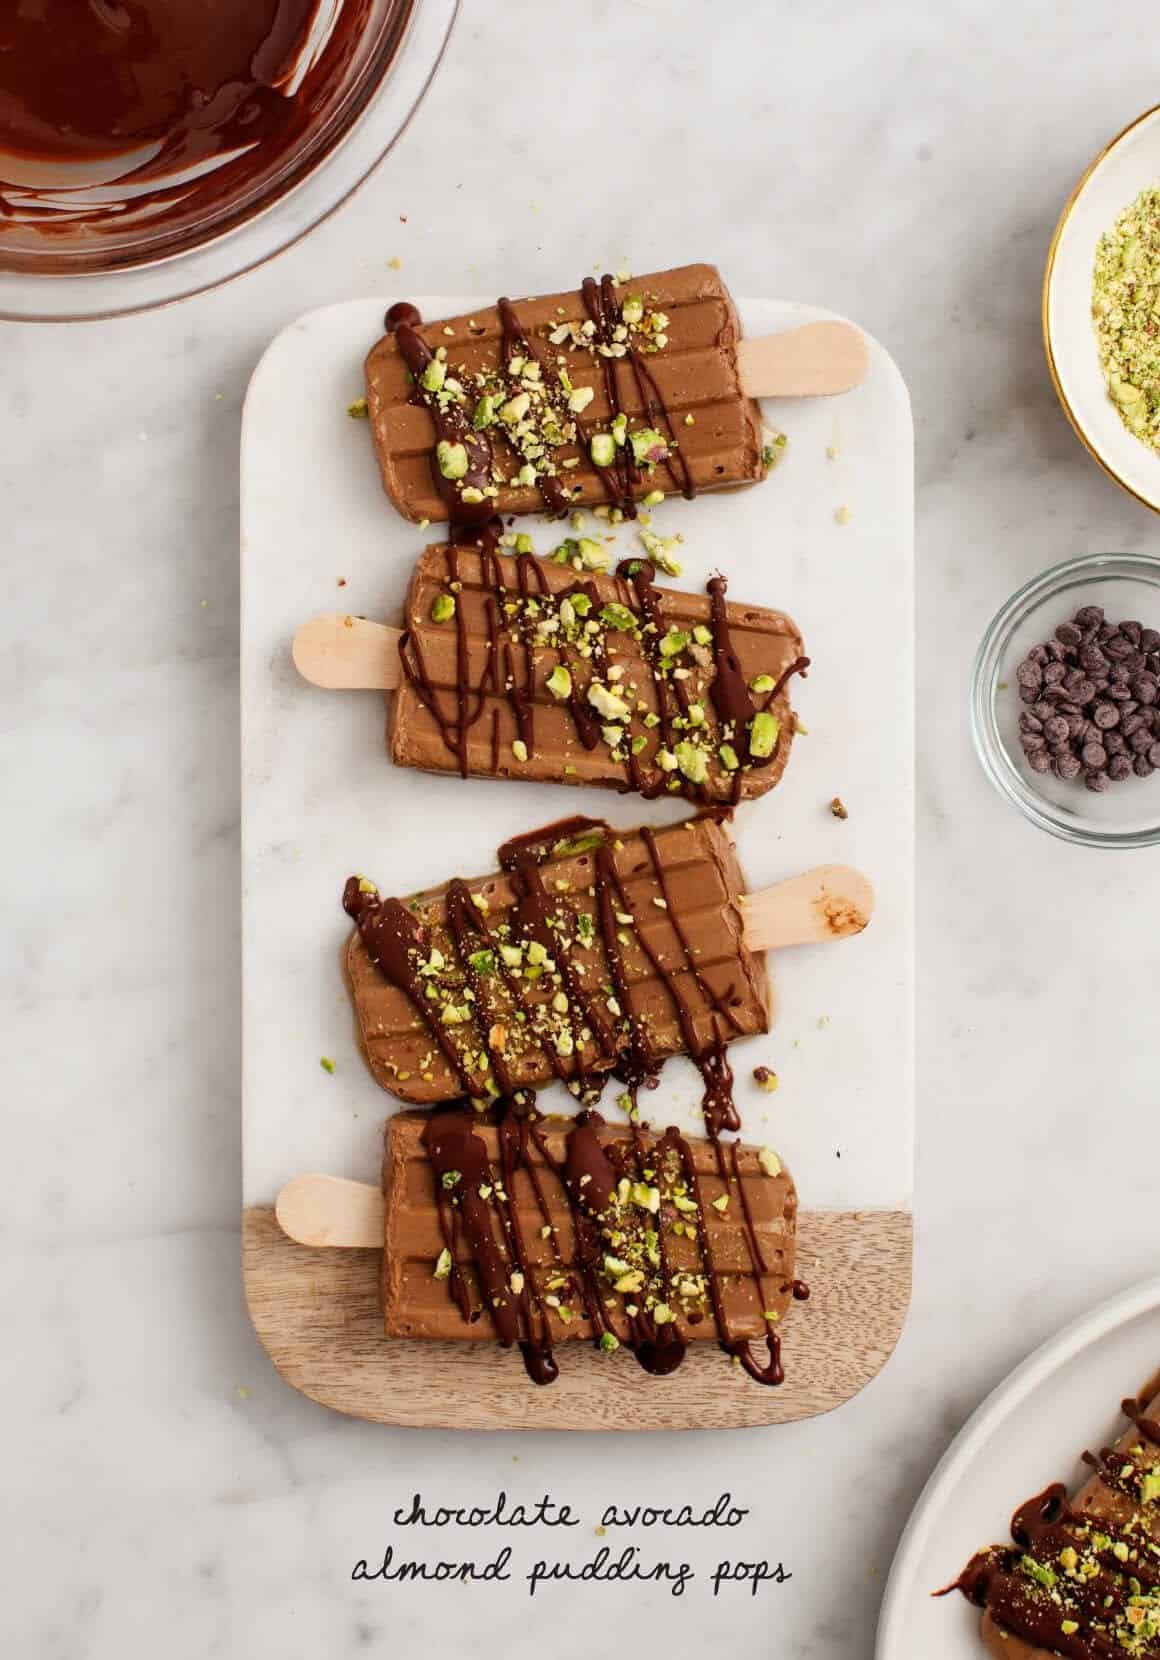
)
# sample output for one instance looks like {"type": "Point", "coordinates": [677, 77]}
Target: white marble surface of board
{"type": "Point", "coordinates": [321, 797]}
{"type": "Point", "coordinates": [164, 1491]}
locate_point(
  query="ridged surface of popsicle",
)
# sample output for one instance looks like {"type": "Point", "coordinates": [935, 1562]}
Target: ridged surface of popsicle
{"type": "Point", "coordinates": [734, 1223]}
{"type": "Point", "coordinates": [520, 667]}
{"type": "Point", "coordinates": [624, 948]}
{"type": "Point", "coordinates": [679, 382]}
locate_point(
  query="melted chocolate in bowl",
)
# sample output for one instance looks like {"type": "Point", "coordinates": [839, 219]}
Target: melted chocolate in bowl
{"type": "Point", "coordinates": [134, 130]}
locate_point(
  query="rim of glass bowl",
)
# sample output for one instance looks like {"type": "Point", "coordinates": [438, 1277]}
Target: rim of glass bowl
{"type": "Point", "coordinates": [996, 763]}
{"type": "Point", "coordinates": [285, 220]}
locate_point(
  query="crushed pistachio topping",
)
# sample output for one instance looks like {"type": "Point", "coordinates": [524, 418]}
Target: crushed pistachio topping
{"type": "Point", "coordinates": [1126, 314]}
{"type": "Point", "coordinates": [763, 733]}
{"type": "Point", "coordinates": [535, 399]}
{"type": "Point", "coordinates": [773, 450]}
{"type": "Point", "coordinates": [1095, 1575]}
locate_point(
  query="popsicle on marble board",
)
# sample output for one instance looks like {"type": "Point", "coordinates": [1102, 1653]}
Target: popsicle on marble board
{"type": "Point", "coordinates": [1082, 1578]}
{"type": "Point", "coordinates": [515, 666]}
{"type": "Point", "coordinates": [608, 394]}
{"type": "Point", "coordinates": [590, 953]}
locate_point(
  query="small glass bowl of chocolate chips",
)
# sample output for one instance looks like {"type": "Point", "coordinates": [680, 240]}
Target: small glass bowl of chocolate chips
{"type": "Point", "coordinates": [1065, 700]}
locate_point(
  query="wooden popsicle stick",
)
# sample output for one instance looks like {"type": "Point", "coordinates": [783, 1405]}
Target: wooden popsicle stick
{"type": "Point", "coordinates": [347, 654]}
{"type": "Point", "coordinates": [828, 902]}
{"type": "Point", "coordinates": [330, 1211]}
{"type": "Point", "coordinates": [323, 1211]}
{"type": "Point", "coordinates": [814, 361]}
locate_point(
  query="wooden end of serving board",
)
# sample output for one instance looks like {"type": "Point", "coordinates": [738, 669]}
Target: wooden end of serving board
{"type": "Point", "coordinates": [317, 1315]}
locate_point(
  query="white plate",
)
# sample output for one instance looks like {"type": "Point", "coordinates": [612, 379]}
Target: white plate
{"type": "Point", "coordinates": [321, 798]}
{"type": "Point", "coordinates": [1027, 1434]}
{"type": "Point", "coordinates": [1131, 163]}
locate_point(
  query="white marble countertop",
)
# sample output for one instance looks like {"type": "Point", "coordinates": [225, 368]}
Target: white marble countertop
{"type": "Point", "coordinates": [166, 1492]}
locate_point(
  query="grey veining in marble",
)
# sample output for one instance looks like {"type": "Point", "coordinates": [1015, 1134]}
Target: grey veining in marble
{"type": "Point", "coordinates": [165, 1492]}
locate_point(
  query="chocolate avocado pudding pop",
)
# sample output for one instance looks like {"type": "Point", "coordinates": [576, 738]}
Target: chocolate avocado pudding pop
{"type": "Point", "coordinates": [590, 952]}
{"type": "Point", "coordinates": [529, 669]}
{"type": "Point", "coordinates": [611, 393]}
{"type": "Point", "coordinates": [535, 1231]}
{"type": "Point", "coordinates": [1082, 1578]}
{"type": "Point", "coordinates": [559, 671]}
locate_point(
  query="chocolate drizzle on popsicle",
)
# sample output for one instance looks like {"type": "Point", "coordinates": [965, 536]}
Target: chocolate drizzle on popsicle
{"type": "Point", "coordinates": [621, 1197]}
{"type": "Point", "coordinates": [673, 748]}
{"type": "Point", "coordinates": [529, 398]}
{"type": "Point", "coordinates": [1083, 1581]}
{"type": "Point", "coordinates": [463, 487]}
{"type": "Point", "coordinates": [595, 1034]}
{"type": "Point", "coordinates": [624, 479]}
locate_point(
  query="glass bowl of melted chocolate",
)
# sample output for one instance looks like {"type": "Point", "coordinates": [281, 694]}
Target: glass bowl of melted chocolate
{"type": "Point", "coordinates": [150, 149]}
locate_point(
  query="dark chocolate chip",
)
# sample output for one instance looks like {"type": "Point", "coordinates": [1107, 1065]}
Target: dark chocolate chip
{"type": "Point", "coordinates": [1091, 700]}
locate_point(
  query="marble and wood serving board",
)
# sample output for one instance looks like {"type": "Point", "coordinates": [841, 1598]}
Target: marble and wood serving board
{"type": "Point", "coordinates": [829, 538]}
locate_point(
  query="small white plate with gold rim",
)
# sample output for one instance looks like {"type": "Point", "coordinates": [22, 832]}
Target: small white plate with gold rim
{"type": "Point", "coordinates": [1128, 165]}
{"type": "Point", "coordinates": [1028, 1433]}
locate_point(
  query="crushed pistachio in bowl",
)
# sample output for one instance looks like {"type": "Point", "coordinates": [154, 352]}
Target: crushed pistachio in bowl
{"type": "Point", "coordinates": [1126, 314]}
